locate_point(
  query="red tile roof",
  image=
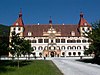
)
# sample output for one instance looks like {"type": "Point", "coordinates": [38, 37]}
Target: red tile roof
{"type": "Point", "coordinates": [82, 21]}
{"type": "Point", "coordinates": [19, 21]}
{"type": "Point", "coordinates": [37, 30]}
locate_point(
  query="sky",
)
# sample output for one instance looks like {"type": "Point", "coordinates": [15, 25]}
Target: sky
{"type": "Point", "coordinates": [61, 11]}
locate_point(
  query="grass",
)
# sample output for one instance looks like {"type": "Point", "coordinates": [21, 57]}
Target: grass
{"type": "Point", "coordinates": [35, 67]}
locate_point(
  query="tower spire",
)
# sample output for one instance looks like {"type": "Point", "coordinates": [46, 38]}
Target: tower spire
{"type": "Point", "coordinates": [20, 13]}
{"type": "Point", "coordinates": [81, 14]}
{"type": "Point", "coordinates": [82, 21]}
{"type": "Point", "coordinates": [50, 21]}
{"type": "Point", "coordinates": [19, 21]}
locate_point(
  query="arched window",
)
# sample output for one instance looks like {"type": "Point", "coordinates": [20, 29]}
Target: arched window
{"type": "Point", "coordinates": [79, 53]}
{"type": "Point", "coordinates": [63, 48]}
{"type": "Point", "coordinates": [40, 54]}
{"type": "Point", "coordinates": [63, 53]}
{"type": "Point", "coordinates": [69, 53]}
{"type": "Point", "coordinates": [34, 54]}
{"type": "Point", "coordinates": [34, 48]}
{"type": "Point", "coordinates": [74, 53]}
{"type": "Point", "coordinates": [74, 47]}
{"type": "Point", "coordinates": [58, 47]}
{"type": "Point", "coordinates": [69, 47]}
{"type": "Point", "coordinates": [78, 47]}
{"type": "Point", "coordinates": [40, 48]}
{"type": "Point", "coordinates": [46, 48]}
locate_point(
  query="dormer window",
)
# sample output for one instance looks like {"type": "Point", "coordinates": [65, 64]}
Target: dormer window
{"type": "Point", "coordinates": [85, 24]}
{"type": "Point", "coordinates": [16, 24]}
{"type": "Point", "coordinates": [29, 34]}
{"type": "Point", "coordinates": [73, 33]}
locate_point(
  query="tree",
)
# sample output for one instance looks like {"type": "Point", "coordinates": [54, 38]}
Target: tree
{"type": "Point", "coordinates": [94, 37]}
{"type": "Point", "coordinates": [3, 45]}
{"type": "Point", "coordinates": [18, 46]}
{"type": "Point", "coordinates": [26, 47]}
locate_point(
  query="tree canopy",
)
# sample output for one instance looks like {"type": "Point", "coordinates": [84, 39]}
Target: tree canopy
{"type": "Point", "coordinates": [19, 46]}
{"type": "Point", "coordinates": [94, 37]}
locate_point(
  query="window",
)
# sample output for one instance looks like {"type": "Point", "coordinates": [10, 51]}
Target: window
{"type": "Point", "coordinates": [57, 40]}
{"type": "Point", "coordinates": [40, 40]}
{"type": "Point", "coordinates": [73, 33]}
{"type": "Point", "coordinates": [69, 53]}
{"type": "Point", "coordinates": [84, 41]}
{"type": "Point", "coordinates": [29, 34]}
{"type": "Point", "coordinates": [63, 47]}
{"type": "Point", "coordinates": [46, 48]}
{"type": "Point", "coordinates": [88, 28]}
{"type": "Point", "coordinates": [46, 40]}
{"type": "Point", "coordinates": [62, 40]}
{"type": "Point", "coordinates": [51, 41]}
{"type": "Point", "coordinates": [29, 41]}
{"type": "Point", "coordinates": [63, 53]}
{"type": "Point", "coordinates": [40, 48]}
{"type": "Point", "coordinates": [78, 41]}
{"type": "Point", "coordinates": [74, 47]}
{"type": "Point", "coordinates": [73, 41]}
{"type": "Point", "coordinates": [69, 47]}
{"type": "Point", "coordinates": [89, 41]}
{"type": "Point", "coordinates": [68, 41]}
{"type": "Point", "coordinates": [78, 47]}
{"type": "Point", "coordinates": [58, 48]}
{"type": "Point", "coordinates": [79, 53]}
{"type": "Point", "coordinates": [34, 48]}
{"type": "Point", "coordinates": [83, 29]}
{"type": "Point", "coordinates": [33, 41]}
{"type": "Point", "coordinates": [19, 29]}
{"type": "Point", "coordinates": [14, 29]}
{"type": "Point", "coordinates": [74, 53]}
{"type": "Point", "coordinates": [84, 47]}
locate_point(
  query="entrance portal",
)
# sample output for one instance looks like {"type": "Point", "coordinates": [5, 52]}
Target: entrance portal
{"type": "Point", "coordinates": [52, 54]}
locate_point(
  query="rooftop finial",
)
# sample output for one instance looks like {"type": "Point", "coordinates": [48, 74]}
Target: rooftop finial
{"type": "Point", "coordinates": [81, 14]}
{"type": "Point", "coordinates": [50, 21]}
{"type": "Point", "coordinates": [20, 13]}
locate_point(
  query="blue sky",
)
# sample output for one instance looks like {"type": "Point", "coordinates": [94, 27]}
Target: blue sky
{"type": "Point", "coordinates": [61, 11]}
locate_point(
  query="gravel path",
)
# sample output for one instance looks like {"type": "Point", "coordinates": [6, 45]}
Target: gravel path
{"type": "Point", "coordinates": [72, 67]}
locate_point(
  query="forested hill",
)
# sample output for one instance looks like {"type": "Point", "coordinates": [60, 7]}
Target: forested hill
{"type": "Point", "coordinates": [4, 30]}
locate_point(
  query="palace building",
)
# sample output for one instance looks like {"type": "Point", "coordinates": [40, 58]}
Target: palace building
{"type": "Point", "coordinates": [54, 40]}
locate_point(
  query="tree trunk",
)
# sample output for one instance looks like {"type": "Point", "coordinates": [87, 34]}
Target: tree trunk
{"type": "Point", "coordinates": [18, 62]}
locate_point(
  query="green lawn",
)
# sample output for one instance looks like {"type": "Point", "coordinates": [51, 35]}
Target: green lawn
{"type": "Point", "coordinates": [35, 67]}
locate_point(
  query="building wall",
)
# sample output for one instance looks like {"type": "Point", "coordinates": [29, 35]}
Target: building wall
{"type": "Point", "coordinates": [64, 47]}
